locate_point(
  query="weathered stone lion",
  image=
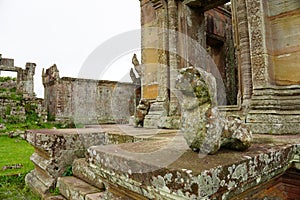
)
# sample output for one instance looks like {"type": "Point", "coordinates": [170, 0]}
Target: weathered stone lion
{"type": "Point", "coordinates": [204, 128]}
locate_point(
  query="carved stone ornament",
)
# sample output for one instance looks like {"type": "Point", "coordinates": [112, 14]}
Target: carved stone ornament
{"type": "Point", "coordinates": [256, 37]}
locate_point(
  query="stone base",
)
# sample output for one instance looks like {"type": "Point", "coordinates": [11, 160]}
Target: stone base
{"type": "Point", "coordinates": [158, 118]}
{"type": "Point", "coordinates": [170, 122]}
{"type": "Point", "coordinates": [275, 110]}
{"type": "Point", "coordinates": [132, 121]}
{"type": "Point", "coordinates": [157, 110]}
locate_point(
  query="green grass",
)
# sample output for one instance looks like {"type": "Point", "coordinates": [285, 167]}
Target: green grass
{"type": "Point", "coordinates": [12, 184]}
{"type": "Point", "coordinates": [13, 187]}
{"type": "Point", "coordinates": [15, 151]}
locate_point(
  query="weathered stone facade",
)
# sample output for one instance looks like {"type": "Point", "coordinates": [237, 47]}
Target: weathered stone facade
{"type": "Point", "coordinates": [87, 101]}
{"type": "Point", "coordinates": [274, 50]}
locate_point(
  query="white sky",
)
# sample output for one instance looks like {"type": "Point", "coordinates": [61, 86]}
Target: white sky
{"type": "Point", "coordinates": [64, 32]}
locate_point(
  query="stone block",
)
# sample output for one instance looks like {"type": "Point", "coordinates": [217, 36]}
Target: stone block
{"type": "Point", "coordinates": [96, 196]}
{"type": "Point", "coordinates": [33, 182]}
{"type": "Point", "coordinates": [75, 189]}
{"type": "Point", "coordinates": [59, 197]}
{"type": "Point", "coordinates": [82, 170]}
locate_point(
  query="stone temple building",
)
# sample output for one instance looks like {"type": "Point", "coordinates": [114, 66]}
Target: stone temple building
{"type": "Point", "coordinates": [255, 46]}
{"type": "Point", "coordinates": [251, 48]}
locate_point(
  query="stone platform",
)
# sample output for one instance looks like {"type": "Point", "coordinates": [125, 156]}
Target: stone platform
{"type": "Point", "coordinates": [138, 163]}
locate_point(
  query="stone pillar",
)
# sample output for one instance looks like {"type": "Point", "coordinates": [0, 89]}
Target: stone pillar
{"type": "Point", "coordinates": [240, 23]}
{"type": "Point", "coordinates": [25, 80]}
{"type": "Point", "coordinates": [173, 38]}
{"type": "Point", "coordinates": [163, 61]}
{"type": "Point", "coordinates": [160, 107]}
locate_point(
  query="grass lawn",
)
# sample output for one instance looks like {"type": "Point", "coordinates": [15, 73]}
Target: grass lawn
{"type": "Point", "coordinates": [15, 151]}
{"type": "Point", "coordinates": [12, 185]}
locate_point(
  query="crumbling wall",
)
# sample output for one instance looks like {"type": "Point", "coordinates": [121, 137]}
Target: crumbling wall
{"type": "Point", "coordinates": [87, 101]}
{"type": "Point", "coordinates": [14, 108]}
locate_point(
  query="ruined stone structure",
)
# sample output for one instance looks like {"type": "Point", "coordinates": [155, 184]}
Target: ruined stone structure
{"type": "Point", "coordinates": [176, 33]}
{"type": "Point", "coordinates": [25, 83]}
{"type": "Point", "coordinates": [87, 101]}
{"type": "Point", "coordinates": [17, 97]}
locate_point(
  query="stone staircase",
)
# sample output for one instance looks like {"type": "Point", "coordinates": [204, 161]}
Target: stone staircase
{"type": "Point", "coordinates": [88, 180]}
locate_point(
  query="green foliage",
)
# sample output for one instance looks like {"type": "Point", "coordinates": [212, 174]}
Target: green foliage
{"type": "Point", "coordinates": [31, 115]}
{"type": "Point", "coordinates": [68, 171]}
{"type": "Point", "coordinates": [8, 110]}
{"type": "Point", "coordinates": [12, 119]}
{"type": "Point", "coordinates": [3, 90]}
{"type": "Point", "coordinates": [79, 125]}
{"type": "Point", "coordinates": [14, 187]}
{"type": "Point", "coordinates": [50, 117]}
{"type": "Point", "coordinates": [7, 78]}
{"type": "Point", "coordinates": [15, 97]}
{"type": "Point", "coordinates": [55, 191]}
{"type": "Point", "coordinates": [14, 89]}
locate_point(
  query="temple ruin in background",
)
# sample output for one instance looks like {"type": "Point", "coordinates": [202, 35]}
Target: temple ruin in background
{"type": "Point", "coordinates": [86, 101]}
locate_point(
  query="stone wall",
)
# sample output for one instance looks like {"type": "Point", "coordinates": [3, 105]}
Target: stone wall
{"type": "Point", "coordinates": [282, 23]}
{"type": "Point", "coordinates": [87, 101]}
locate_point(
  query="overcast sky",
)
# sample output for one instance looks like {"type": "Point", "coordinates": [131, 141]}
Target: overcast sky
{"type": "Point", "coordinates": [64, 32]}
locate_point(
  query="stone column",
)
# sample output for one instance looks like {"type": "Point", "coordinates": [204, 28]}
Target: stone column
{"type": "Point", "coordinates": [240, 23]}
{"type": "Point", "coordinates": [173, 61]}
{"type": "Point", "coordinates": [163, 62]}
{"type": "Point", "coordinates": [160, 108]}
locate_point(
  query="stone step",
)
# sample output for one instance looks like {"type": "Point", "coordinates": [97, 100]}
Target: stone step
{"type": "Point", "coordinates": [83, 171]}
{"type": "Point", "coordinates": [36, 184]}
{"type": "Point", "coordinates": [73, 188]}
{"type": "Point", "coordinates": [58, 197]}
